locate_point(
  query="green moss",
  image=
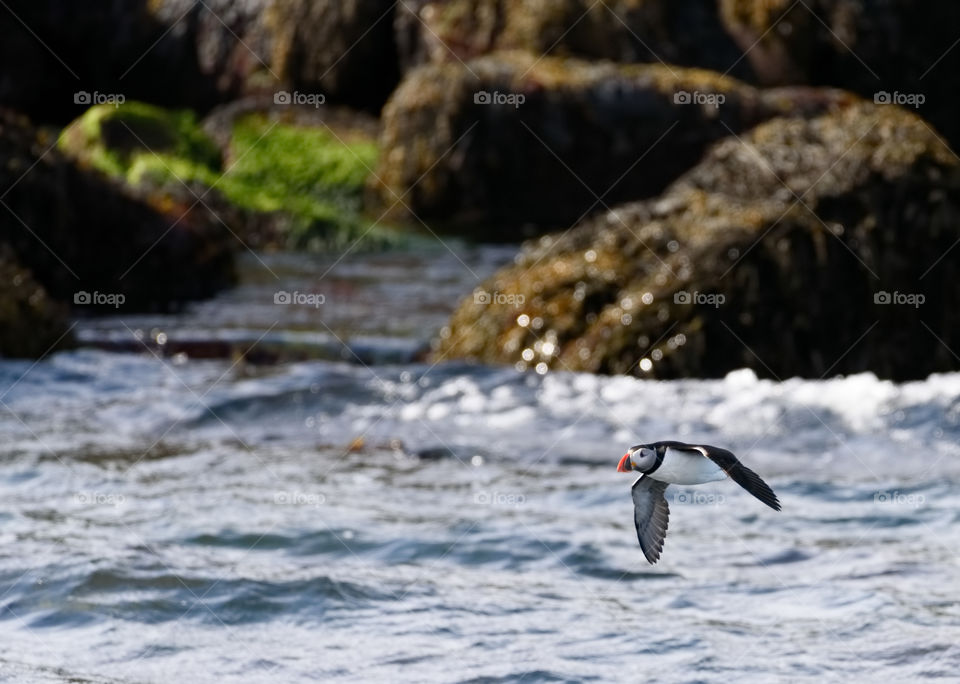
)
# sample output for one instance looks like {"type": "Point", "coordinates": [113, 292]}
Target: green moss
{"type": "Point", "coordinates": [306, 176]}
{"type": "Point", "coordinates": [113, 139]}
{"type": "Point", "coordinates": [163, 171]}
{"type": "Point", "coordinates": [306, 173]}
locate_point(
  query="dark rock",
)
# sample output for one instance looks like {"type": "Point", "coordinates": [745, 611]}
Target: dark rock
{"type": "Point", "coordinates": [865, 46]}
{"type": "Point", "coordinates": [31, 324]}
{"type": "Point", "coordinates": [196, 54]}
{"type": "Point", "coordinates": [884, 48]}
{"type": "Point", "coordinates": [61, 57]}
{"type": "Point", "coordinates": [583, 136]}
{"type": "Point", "coordinates": [77, 231]}
{"type": "Point", "coordinates": [681, 32]}
{"type": "Point", "coordinates": [803, 249]}
{"type": "Point", "coordinates": [343, 48]}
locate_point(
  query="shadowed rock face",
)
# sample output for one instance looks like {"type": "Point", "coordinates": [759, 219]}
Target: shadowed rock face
{"type": "Point", "coordinates": [343, 48]}
{"type": "Point", "coordinates": [31, 324]}
{"type": "Point", "coordinates": [510, 140]}
{"type": "Point", "coordinates": [77, 231]}
{"type": "Point", "coordinates": [743, 260]}
{"type": "Point", "coordinates": [866, 46]}
{"type": "Point", "coordinates": [188, 53]}
{"type": "Point", "coordinates": [62, 49]}
{"type": "Point", "coordinates": [681, 32]}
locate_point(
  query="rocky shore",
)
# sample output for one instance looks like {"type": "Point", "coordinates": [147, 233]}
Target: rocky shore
{"type": "Point", "coordinates": [71, 237]}
{"type": "Point", "coordinates": [703, 185]}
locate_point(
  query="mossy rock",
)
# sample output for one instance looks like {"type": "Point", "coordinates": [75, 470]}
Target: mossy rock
{"type": "Point", "coordinates": [584, 135]}
{"type": "Point", "coordinates": [277, 182]}
{"type": "Point", "coordinates": [140, 143]}
{"type": "Point", "coordinates": [773, 253]}
{"type": "Point", "coordinates": [78, 230]}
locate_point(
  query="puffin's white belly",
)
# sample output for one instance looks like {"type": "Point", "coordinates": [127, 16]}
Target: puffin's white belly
{"type": "Point", "coordinates": [680, 467]}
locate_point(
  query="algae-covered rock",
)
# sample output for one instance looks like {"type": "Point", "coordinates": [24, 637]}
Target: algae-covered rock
{"type": "Point", "coordinates": [77, 231]}
{"type": "Point", "coordinates": [809, 247]}
{"type": "Point", "coordinates": [142, 144]}
{"type": "Point", "coordinates": [304, 179]}
{"type": "Point", "coordinates": [509, 140]}
{"type": "Point", "coordinates": [280, 178]}
{"type": "Point", "coordinates": [682, 32]}
{"type": "Point", "coordinates": [31, 324]}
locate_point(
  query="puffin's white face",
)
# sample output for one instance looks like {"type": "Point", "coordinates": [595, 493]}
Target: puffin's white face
{"type": "Point", "coordinates": [638, 458]}
{"type": "Point", "coordinates": [642, 459]}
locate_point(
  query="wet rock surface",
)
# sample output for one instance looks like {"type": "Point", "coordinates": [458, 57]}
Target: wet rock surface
{"type": "Point", "coordinates": [808, 247]}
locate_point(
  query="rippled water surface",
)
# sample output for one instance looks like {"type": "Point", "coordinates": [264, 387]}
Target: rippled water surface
{"type": "Point", "coordinates": [168, 519]}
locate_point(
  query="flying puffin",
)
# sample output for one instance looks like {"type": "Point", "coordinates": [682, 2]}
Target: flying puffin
{"type": "Point", "coordinates": [664, 463]}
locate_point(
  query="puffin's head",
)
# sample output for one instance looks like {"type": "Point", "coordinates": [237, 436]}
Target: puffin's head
{"type": "Point", "coordinates": [638, 457]}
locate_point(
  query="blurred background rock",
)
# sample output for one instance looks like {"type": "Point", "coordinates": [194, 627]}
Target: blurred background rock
{"type": "Point", "coordinates": [792, 159]}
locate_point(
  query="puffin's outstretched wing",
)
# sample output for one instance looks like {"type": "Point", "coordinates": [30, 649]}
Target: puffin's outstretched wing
{"type": "Point", "coordinates": [742, 475]}
{"type": "Point", "coordinates": [651, 515]}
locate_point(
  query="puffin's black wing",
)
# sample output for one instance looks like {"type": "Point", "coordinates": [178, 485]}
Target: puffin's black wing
{"type": "Point", "coordinates": [650, 514]}
{"type": "Point", "coordinates": [742, 475]}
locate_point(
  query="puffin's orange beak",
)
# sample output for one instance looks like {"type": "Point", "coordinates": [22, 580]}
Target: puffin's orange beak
{"type": "Point", "coordinates": [624, 465]}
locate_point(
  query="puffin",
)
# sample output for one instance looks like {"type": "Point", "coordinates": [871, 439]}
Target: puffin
{"type": "Point", "coordinates": [661, 464]}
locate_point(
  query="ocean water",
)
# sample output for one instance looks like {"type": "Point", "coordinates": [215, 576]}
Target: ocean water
{"type": "Point", "coordinates": [168, 518]}
{"type": "Point", "coordinates": [333, 522]}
